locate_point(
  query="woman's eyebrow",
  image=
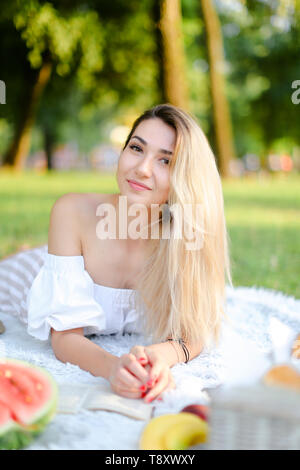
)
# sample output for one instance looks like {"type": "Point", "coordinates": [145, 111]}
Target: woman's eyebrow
{"type": "Point", "coordinates": [167, 152]}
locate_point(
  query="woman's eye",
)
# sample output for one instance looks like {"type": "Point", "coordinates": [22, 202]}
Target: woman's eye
{"type": "Point", "coordinates": [133, 147]}
{"type": "Point", "coordinates": [139, 149]}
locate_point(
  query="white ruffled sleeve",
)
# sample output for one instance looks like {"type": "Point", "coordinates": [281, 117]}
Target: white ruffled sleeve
{"type": "Point", "coordinates": [62, 297]}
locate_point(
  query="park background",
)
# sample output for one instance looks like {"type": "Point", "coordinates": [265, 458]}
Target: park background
{"type": "Point", "coordinates": [75, 75]}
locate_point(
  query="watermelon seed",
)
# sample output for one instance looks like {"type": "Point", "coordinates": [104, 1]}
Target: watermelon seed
{"type": "Point", "coordinates": [16, 388]}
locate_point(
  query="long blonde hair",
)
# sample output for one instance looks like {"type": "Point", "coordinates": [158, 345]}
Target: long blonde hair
{"type": "Point", "coordinates": [180, 292]}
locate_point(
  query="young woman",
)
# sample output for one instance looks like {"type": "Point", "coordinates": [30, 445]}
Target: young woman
{"type": "Point", "coordinates": [160, 286]}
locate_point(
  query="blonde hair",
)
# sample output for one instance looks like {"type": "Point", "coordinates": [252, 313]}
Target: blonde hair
{"type": "Point", "coordinates": [180, 292]}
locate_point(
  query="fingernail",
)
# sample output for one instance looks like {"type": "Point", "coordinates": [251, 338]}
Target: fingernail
{"type": "Point", "coordinates": [150, 383]}
{"type": "Point", "coordinates": [148, 399]}
{"type": "Point", "coordinates": [143, 388]}
{"type": "Point", "coordinates": [142, 359]}
{"type": "Point", "coordinates": [143, 394]}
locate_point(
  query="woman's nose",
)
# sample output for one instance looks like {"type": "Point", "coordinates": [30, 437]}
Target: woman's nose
{"type": "Point", "coordinates": [145, 167]}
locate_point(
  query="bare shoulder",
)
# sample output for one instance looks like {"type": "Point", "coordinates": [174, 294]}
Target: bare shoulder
{"type": "Point", "coordinates": [89, 202]}
{"type": "Point", "coordinates": [69, 213]}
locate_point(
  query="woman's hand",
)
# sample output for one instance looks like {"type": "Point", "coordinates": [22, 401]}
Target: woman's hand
{"type": "Point", "coordinates": [160, 377]}
{"type": "Point", "coordinates": [128, 377]}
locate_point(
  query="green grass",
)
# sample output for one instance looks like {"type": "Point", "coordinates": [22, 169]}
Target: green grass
{"type": "Point", "coordinates": [263, 220]}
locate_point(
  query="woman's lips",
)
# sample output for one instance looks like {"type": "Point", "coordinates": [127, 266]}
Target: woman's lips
{"type": "Point", "coordinates": [136, 186]}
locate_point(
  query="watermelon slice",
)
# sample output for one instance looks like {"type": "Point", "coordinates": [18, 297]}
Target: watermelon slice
{"type": "Point", "coordinates": [28, 401]}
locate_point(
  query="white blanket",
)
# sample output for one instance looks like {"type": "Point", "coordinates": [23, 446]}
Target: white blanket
{"type": "Point", "coordinates": [261, 318]}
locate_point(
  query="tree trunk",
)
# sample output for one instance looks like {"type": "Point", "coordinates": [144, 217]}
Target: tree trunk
{"type": "Point", "coordinates": [17, 153]}
{"type": "Point", "coordinates": [161, 87]}
{"type": "Point", "coordinates": [221, 112]}
{"type": "Point", "coordinates": [175, 83]}
{"type": "Point", "coordinates": [48, 145]}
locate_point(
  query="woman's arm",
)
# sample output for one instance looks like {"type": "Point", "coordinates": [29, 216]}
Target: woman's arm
{"type": "Point", "coordinates": [173, 353]}
{"type": "Point", "coordinates": [127, 377]}
{"type": "Point", "coordinates": [72, 346]}
{"type": "Point", "coordinates": [64, 239]}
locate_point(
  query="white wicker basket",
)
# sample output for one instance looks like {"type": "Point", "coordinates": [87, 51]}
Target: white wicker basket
{"type": "Point", "coordinates": [259, 417]}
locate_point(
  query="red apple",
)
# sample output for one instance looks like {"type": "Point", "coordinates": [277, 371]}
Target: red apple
{"type": "Point", "coordinates": [202, 411]}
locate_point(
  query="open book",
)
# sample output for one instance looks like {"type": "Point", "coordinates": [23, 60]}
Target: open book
{"type": "Point", "coordinates": [74, 397]}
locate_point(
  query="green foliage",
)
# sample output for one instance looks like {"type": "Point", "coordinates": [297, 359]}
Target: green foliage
{"type": "Point", "coordinates": [44, 28]}
{"type": "Point", "coordinates": [196, 63]}
{"type": "Point", "coordinates": [106, 69]}
{"type": "Point", "coordinates": [261, 45]}
{"type": "Point", "coordinates": [102, 72]}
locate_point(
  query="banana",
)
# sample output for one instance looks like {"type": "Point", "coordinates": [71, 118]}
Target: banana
{"type": "Point", "coordinates": [153, 432]}
{"type": "Point", "coordinates": [172, 431]}
{"type": "Point", "coordinates": [184, 435]}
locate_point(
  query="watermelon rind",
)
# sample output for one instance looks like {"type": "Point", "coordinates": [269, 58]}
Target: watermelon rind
{"type": "Point", "coordinates": [15, 435]}
{"type": "Point", "coordinates": [15, 438]}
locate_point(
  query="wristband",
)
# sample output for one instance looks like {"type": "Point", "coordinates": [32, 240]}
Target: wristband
{"type": "Point", "coordinates": [185, 349]}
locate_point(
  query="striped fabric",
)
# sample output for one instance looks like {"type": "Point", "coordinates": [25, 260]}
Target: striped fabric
{"type": "Point", "coordinates": [17, 273]}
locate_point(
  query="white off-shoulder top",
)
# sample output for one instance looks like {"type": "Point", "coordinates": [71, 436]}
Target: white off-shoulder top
{"type": "Point", "coordinates": [64, 296]}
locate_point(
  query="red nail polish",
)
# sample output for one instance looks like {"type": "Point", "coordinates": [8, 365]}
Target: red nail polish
{"type": "Point", "coordinates": [143, 388]}
{"type": "Point", "coordinates": [142, 360]}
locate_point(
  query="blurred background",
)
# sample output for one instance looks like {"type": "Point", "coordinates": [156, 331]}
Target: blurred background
{"type": "Point", "coordinates": [75, 74]}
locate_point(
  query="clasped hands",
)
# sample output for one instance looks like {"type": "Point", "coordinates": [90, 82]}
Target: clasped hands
{"type": "Point", "coordinates": [141, 373]}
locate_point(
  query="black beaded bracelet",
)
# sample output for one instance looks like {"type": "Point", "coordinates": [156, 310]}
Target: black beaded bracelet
{"type": "Point", "coordinates": [185, 349]}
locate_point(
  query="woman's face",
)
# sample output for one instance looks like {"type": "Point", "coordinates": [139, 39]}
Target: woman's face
{"type": "Point", "coordinates": [146, 160]}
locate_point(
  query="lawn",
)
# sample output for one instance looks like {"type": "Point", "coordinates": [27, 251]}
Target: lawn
{"type": "Point", "coordinates": [263, 220]}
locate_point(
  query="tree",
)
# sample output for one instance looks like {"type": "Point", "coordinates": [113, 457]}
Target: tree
{"type": "Point", "coordinates": [61, 40]}
{"type": "Point", "coordinates": [101, 51]}
{"type": "Point", "coordinates": [221, 113]}
{"type": "Point", "coordinates": [261, 43]}
{"type": "Point", "coordinates": [173, 63]}
{"type": "Point", "coordinates": [17, 152]}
